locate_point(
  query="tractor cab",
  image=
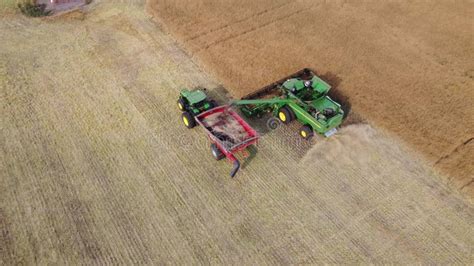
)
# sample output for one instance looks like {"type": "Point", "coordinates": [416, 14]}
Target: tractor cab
{"type": "Point", "coordinates": [192, 103]}
{"type": "Point", "coordinates": [195, 101]}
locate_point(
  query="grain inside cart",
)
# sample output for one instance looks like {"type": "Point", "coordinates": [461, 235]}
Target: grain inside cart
{"type": "Point", "coordinates": [228, 133]}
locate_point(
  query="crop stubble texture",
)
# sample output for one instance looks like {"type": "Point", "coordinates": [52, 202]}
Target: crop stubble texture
{"type": "Point", "coordinates": [96, 167]}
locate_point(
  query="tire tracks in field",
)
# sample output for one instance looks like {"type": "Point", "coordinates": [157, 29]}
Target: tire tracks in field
{"type": "Point", "coordinates": [7, 249]}
{"type": "Point", "coordinates": [127, 224]}
{"type": "Point", "coordinates": [251, 29]}
{"type": "Point", "coordinates": [144, 107]}
{"type": "Point", "coordinates": [104, 147]}
{"type": "Point", "coordinates": [34, 207]}
{"type": "Point", "coordinates": [467, 184]}
{"type": "Point", "coordinates": [76, 208]}
{"type": "Point", "coordinates": [455, 150]}
{"type": "Point", "coordinates": [258, 14]}
{"type": "Point", "coordinates": [90, 147]}
{"type": "Point", "coordinates": [455, 159]}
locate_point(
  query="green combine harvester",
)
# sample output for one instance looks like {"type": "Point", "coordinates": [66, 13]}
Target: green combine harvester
{"type": "Point", "coordinates": [302, 97]}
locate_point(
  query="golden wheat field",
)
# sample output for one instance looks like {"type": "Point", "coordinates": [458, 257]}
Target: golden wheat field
{"type": "Point", "coordinates": [406, 66]}
{"type": "Point", "coordinates": [96, 167]}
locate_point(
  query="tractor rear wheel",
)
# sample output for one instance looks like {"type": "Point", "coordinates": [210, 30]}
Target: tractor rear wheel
{"type": "Point", "coordinates": [213, 104]}
{"type": "Point", "coordinates": [216, 152]}
{"type": "Point", "coordinates": [188, 120]}
{"type": "Point", "coordinates": [181, 104]}
{"type": "Point", "coordinates": [286, 115]}
{"type": "Point", "coordinates": [306, 132]}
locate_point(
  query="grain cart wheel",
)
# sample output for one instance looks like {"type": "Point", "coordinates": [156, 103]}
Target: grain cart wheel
{"type": "Point", "coordinates": [306, 132]}
{"type": "Point", "coordinates": [188, 120]}
{"type": "Point", "coordinates": [216, 152]}
{"type": "Point", "coordinates": [286, 115]}
{"type": "Point", "coordinates": [181, 104]}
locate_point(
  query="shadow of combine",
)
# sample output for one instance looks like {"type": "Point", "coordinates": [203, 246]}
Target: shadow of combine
{"type": "Point", "coordinates": [350, 117]}
{"type": "Point", "coordinates": [335, 93]}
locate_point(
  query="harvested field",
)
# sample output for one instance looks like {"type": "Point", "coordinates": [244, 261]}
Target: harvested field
{"type": "Point", "coordinates": [406, 66]}
{"type": "Point", "coordinates": [7, 6]}
{"type": "Point", "coordinates": [96, 168]}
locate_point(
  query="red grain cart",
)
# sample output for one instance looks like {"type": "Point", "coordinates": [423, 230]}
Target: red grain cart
{"type": "Point", "coordinates": [228, 133]}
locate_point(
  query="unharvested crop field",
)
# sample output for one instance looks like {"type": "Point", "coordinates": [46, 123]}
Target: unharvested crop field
{"type": "Point", "coordinates": [406, 66]}
{"type": "Point", "coordinates": [95, 166]}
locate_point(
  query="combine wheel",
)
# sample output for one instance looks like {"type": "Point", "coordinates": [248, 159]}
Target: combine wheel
{"type": "Point", "coordinates": [216, 152]}
{"type": "Point", "coordinates": [181, 104]}
{"type": "Point", "coordinates": [188, 120]}
{"type": "Point", "coordinates": [286, 115]}
{"type": "Point", "coordinates": [306, 132]}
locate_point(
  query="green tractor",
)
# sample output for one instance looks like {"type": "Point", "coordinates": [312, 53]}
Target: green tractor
{"type": "Point", "coordinates": [192, 103]}
{"type": "Point", "coordinates": [301, 96]}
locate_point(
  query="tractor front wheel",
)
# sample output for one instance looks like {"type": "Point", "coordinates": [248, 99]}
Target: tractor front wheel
{"type": "Point", "coordinates": [181, 104]}
{"type": "Point", "coordinates": [306, 132]}
{"type": "Point", "coordinates": [286, 115]}
{"type": "Point", "coordinates": [216, 152]}
{"type": "Point", "coordinates": [188, 120]}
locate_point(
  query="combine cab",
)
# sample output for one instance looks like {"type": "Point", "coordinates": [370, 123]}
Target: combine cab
{"type": "Point", "coordinates": [301, 96]}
